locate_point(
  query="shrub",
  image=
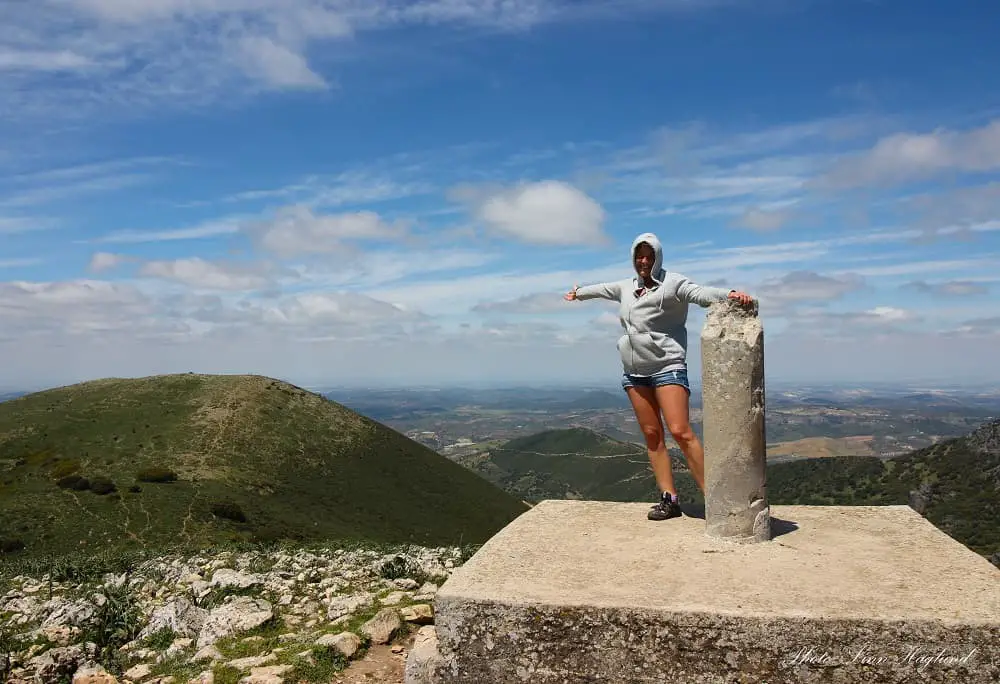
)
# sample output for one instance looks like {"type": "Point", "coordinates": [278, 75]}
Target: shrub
{"type": "Point", "coordinates": [10, 545]}
{"type": "Point", "coordinates": [102, 485]}
{"type": "Point", "coordinates": [156, 474]}
{"type": "Point", "coordinates": [396, 567]}
{"type": "Point", "coordinates": [228, 510]}
{"type": "Point", "coordinates": [74, 482]}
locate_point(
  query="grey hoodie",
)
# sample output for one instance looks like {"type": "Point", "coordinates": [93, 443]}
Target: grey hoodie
{"type": "Point", "coordinates": [655, 323]}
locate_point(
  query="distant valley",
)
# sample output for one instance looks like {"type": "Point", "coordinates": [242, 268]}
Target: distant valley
{"type": "Point", "coordinates": [801, 422]}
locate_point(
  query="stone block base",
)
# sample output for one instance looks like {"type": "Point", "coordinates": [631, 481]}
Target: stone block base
{"type": "Point", "coordinates": [582, 591]}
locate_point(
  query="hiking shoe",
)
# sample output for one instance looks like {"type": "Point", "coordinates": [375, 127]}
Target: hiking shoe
{"type": "Point", "coordinates": [664, 510]}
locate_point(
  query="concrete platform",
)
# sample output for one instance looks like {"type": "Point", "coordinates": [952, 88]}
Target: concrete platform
{"type": "Point", "coordinates": [583, 591]}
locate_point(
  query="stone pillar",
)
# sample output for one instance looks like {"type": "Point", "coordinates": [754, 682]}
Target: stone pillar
{"type": "Point", "coordinates": [732, 368]}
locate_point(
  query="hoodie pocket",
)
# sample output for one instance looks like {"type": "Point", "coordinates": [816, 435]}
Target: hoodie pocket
{"type": "Point", "coordinates": [649, 347]}
{"type": "Point", "coordinates": [642, 349]}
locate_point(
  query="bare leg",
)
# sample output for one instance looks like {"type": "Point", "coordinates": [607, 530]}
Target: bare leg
{"type": "Point", "coordinates": [647, 412]}
{"type": "Point", "coordinates": [674, 401]}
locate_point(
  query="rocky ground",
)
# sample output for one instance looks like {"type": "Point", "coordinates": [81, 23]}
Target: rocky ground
{"type": "Point", "coordinates": [225, 618]}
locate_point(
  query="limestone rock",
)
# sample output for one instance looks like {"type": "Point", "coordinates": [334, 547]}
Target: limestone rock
{"type": "Point", "coordinates": [61, 635]}
{"type": "Point", "coordinates": [423, 659]}
{"type": "Point", "coordinates": [137, 672]}
{"type": "Point", "coordinates": [426, 592]}
{"type": "Point", "coordinates": [207, 653]}
{"type": "Point", "coordinates": [347, 643]}
{"type": "Point", "coordinates": [420, 613]}
{"type": "Point", "coordinates": [60, 663]}
{"type": "Point", "coordinates": [92, 673]}
{"type": "Point", "coordinates": [381, 628]}
{"type": "Point", "coordinates": [395, 598]}
{"type": "Point", "coordinates": [251, 662]}
{"type": "Point", "coordinates": [241, 614]}
{"type": "Point", "coordinates": [20, 605]}
{"type": "Point", "coordinates": [341, 606]}
{"type": "Point", "coordinates": [271, 674]}
{"type": "Point", "coordinates": [179, 615]}
{"type": "Point", "coordinates": [68, 613]}
{"type": "Point", "coordinates": [227, 578]}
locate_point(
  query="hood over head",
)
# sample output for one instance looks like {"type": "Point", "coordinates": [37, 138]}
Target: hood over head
{"type": "Point", "coordinates": [656, 272]}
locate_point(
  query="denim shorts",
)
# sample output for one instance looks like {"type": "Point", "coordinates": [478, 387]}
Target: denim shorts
{"type": "Point", "coordinates": [670, 377]}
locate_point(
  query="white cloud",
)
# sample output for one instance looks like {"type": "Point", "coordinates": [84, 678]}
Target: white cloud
{"type": "Point", "coordinates": [32, 309]}
{"type": "Point", "coordinates": [906, 157]}
{"type": "Point", "coordinates": [608, 320]}
{"type": "Point", "coordinates": [877, 320]}
{"type": "Point", "coordinates": [917, 267]}
{"type": "Point", "coordinates": [762, 220]}
{"type": "Point", "coordinates": [199, 273]}
{"type": "Point", "coordinates": [964, 207]}
{"type": "Point", "coordinates": [296, 230]}
{"type": "Point", "coordinates": [209, 229]}
{"type": "Point", "coordinates": [536, 303]}
{"type": "Point", "coordinates": [104, 261]}
{"type": "Point", "coordinates": [808, 286]}
{"type": "Point", "coordinates": [542, 213]}
{"type": "Point", "coordinates": [981, 326]}
{"type": "Point", "coordinates": [355, 311]}
{"type": "Point", "coordinates": [277, 65]}
{"type": "Point", "coordinates": [889, 314]}
{"type": "Point", "coordinates": [347, 188]}
{"type": "Point", "coordinates": [91, 170]}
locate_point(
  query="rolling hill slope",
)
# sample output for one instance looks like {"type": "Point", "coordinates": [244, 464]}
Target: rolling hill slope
{"type": "Point", "coordinates": [196, 459]}
{"type": "Point", "coordinates": [575, 463]}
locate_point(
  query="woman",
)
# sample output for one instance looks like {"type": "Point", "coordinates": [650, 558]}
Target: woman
{"type": "Point", "coordinates": [653, 311]}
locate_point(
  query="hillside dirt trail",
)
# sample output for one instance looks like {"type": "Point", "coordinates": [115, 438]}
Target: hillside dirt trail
{"type": "Point", "coordinates": [379, 666]}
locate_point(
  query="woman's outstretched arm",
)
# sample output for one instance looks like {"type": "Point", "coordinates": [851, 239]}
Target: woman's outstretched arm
{"type": "Point", "coordinates": [704, 295]}
{"type": "Point", "coordinates": [612, 291]}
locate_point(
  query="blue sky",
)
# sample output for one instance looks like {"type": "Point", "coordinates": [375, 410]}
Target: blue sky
{"type": "Point", "coordinates": [387, 192]}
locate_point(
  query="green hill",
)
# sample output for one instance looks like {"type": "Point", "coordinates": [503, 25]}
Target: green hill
{"type": "Point", "coordinates": [190, 460]}
{"type": "Point", "coordinates": [575, 463]}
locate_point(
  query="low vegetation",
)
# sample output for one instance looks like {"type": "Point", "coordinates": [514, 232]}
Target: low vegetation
{"type": "Point", "coordinates": [577, 463]}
